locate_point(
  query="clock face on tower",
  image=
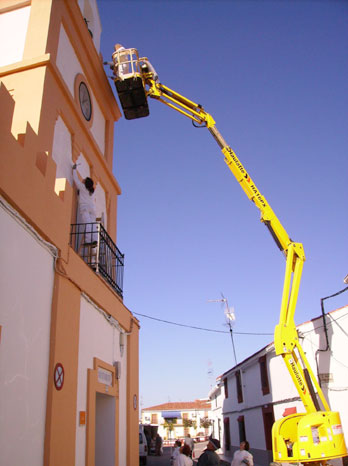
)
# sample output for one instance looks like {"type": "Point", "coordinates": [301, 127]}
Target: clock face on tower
{"type": "Point", "coordinates": [85, 101]}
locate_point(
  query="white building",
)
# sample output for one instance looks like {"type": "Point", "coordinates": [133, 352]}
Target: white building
{"type": "Point", "coordinates": [216, 396]}
{"type": "Point", "coordinates": [249, 397]}
{"type": "Point", "coordinates": [175, 420]}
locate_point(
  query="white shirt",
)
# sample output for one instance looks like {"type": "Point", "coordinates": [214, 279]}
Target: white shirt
{"type": "Point", "coordinates": [85, 198]}
{"type": "Point", "coordinates": [175, 454]}
{"type": "Point", "coordinates": [241, 455]}
{"type": "Point", "coordinates": [183, 460]}
{"type": "Point", "coordinates": [122, 67]}
{"type": "Point", "coordinates": [189, 441]}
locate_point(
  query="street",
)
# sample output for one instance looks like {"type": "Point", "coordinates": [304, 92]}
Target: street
{"type": "Point", "coordinates": [164, 460]}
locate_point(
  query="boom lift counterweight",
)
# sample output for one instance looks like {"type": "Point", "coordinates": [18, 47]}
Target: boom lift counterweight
{"type": "Point", "coordinates": [314, 436]}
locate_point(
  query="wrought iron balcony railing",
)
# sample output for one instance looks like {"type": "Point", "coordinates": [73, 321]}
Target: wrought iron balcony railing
{"type": "Point", "coordinates": [94, 245]}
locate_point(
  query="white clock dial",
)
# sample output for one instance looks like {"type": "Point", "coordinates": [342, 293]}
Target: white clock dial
{"type": "Point", "coordinates": [85, 101]}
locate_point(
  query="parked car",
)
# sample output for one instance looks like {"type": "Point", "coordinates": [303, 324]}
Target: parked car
{"type": "Point", "coordinates": [142, 446]}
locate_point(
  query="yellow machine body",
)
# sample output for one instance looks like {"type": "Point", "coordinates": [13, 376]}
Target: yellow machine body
{"type": "Point", "coordinates": [308, 437]}
{"type": "Point", "coordinates": [304, 437]}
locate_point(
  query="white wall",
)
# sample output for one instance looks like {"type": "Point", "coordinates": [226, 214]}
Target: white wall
{"type": "Point", "coordinates": [216, 397]}
{"type": "Point", "coordinates": [101, 340]}
{"type": "Point", "coordinates": [62, 150]}
{"type": "Point", "coordinates": [333, 362]}
{"type": "Point", "coordinates": [281, 384]}
{"type": "Point", "coordinates": [89, 10]}
{"type": "Point", "coordinates": [67, 61]}
{"type": "Point", "coordinates": [13, 31]}
{"type": "Point", "coordinates": [337, 388]}
{"type": "Point", "coordinates": [100, 200]}
{"type": "Point", "coordinates": [69, 66]}
{"type": "Point", "coordinates": [26, 286]}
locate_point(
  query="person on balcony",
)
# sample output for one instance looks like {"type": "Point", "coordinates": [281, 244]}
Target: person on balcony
{"type": "Point", "coordinates": [87, 210]}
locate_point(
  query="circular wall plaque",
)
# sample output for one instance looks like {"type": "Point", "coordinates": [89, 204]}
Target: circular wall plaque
{"type": "Point", "coordinates": [59, 376]}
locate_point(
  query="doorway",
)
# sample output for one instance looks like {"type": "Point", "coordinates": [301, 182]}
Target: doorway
{"type": "Point", "coordinates": [104, 430]}
{"type": "Point", "coordinates": [268, 421]}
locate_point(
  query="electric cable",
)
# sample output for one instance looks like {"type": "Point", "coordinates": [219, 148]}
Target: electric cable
{"type": "Point", "coordinates": [198, 328]}
{"type": "Point", "coordinates": [329, 323]}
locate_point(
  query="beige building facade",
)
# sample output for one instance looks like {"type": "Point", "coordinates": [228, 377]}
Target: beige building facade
{"type": "Point", "coordinates": [174, 420]}
{"type": "Point", "coordinates": [69, 346]}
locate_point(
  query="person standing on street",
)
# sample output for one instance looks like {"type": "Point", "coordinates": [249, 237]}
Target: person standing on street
{"type": "Point", "coordinates": [189, 441]}
{"type": "Point", "coordinates": [209, 456]}
{"type": "Point", "coordinates": [158, 445]}
{"type": "Point", "coordinates": [176, 452]}
{"type": "Point", "coordinates": [184, 457]}
{"type": "Point", "coordinates": [242, 457]}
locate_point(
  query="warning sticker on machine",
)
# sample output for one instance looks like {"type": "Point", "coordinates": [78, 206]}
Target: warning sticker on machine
{"type": "Point", "coordinates": [337, 429]}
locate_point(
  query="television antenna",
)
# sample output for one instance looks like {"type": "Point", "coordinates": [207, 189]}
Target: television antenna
{"type": "Point", "coordinates": [230, 319]}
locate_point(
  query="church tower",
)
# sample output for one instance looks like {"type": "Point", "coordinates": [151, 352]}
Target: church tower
{"type": "Point", "coordinates": [68, 345]}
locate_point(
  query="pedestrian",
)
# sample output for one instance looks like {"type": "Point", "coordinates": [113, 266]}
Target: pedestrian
{"type": "Point", "coordinates": [176, 452]}
{"type": "Point", "coordinates": [242, 456]}
{"type": "Point", "coordinates": [87, 211]}
{"type": "Point", "coordinates": [158, 445]}
{"type": "Point", "coordinates": [183, 459]}
{"type": "Point", "coordinates": [209, 457]}
{"type": "Point", "coordinates": [190, 442]}
{"type": "Point", "coordinates": [148, 441]}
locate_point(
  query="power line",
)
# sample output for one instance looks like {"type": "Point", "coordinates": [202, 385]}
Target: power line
{"type": "Point", "coordinates": [223, 331]}
{"type": "Point", "coordinates": [197, 328]}
{"type": "Point", "coordinates": [330, 322]}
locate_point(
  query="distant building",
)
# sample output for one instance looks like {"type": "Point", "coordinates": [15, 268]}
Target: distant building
{"type": "Point", "coordinates": [175, 420]}
{"type": "Point", "coordinates": [249, 397]}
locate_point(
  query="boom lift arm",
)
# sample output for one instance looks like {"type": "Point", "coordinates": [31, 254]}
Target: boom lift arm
{"type": "Point", "coordinates": [314, 436]}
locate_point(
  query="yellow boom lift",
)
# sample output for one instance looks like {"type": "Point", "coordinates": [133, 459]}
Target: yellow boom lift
{"type": "Point", "coordinates": [313, 436]}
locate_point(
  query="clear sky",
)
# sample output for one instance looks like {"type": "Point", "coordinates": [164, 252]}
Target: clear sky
{"type": "Point", "coordinates": [273, 74]}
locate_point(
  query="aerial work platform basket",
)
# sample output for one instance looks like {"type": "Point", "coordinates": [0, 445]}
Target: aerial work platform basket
{"type": "Point", "coordinates": [130, 86]}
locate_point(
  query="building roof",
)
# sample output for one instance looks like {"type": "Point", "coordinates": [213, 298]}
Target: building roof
{"type": "Point", "coordinates": [271, 345]}
{"type": "Point", "coordinates": [200, 405]}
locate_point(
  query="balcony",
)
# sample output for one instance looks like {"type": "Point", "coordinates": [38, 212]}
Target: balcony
{"type": "Point", "coordinates": [96, 248]}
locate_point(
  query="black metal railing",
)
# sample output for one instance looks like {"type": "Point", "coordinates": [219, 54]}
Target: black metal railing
{"type": "Point", "coordinates": [94, 245]}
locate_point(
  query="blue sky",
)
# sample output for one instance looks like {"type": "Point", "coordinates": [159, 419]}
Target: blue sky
{"type": "Point", "coordinates": [273, 74]}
